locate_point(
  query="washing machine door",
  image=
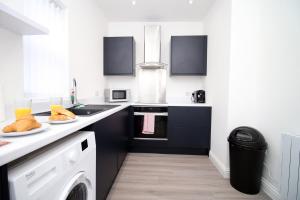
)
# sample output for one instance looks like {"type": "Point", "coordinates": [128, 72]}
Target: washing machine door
{"type": "Point", "coordinates": [79, 188]}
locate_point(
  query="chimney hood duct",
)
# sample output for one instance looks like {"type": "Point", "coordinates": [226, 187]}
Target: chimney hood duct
{"type": "Point", "coordinates": [152, 49]}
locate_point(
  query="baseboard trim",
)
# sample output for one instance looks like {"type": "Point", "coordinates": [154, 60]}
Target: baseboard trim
{"type": "Point", "coordinates": [266, 186]}
{"type": "Point", "coordinates": [269, 189]}
{"type": "Point", "coordinates": [223, 170]}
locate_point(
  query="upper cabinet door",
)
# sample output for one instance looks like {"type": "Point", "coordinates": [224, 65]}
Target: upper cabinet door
{"type": "Point", "coordinates": [118, 56]}
{"type": "Point", "coordinates": [189, 55]}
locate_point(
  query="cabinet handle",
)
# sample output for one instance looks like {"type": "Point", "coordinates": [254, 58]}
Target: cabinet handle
{"type": "Point", "coordinates": [156, 139]}
{"type": "Point", "coordinates": [156, 114]}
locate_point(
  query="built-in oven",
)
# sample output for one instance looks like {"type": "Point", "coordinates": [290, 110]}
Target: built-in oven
{"type": "Point", "coordinates": [160, 122]}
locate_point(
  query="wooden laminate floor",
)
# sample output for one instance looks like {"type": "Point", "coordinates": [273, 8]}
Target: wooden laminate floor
{"type": "Point", "coordinates": [173, 177]}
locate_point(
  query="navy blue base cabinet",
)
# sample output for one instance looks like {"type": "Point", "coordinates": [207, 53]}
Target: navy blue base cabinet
{"type": "Point", "coordinates": [188, 132]}
{"type": "Point", "coordinates": [112, 134]}
{"type": "Point", "coordinates": [4, 192]}
{"type": "Point", "coordinates": [189, 128]}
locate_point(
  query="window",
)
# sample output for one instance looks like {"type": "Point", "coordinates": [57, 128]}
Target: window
{"type": "Point", "coordinates": [46, 72]}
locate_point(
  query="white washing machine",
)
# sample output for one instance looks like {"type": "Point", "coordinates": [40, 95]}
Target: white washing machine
{"type": "Point", "coordinates": [65, 170]}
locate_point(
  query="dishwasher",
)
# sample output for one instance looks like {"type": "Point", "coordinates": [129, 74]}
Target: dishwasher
{"type": "Point", "coordinates": [160, 124]}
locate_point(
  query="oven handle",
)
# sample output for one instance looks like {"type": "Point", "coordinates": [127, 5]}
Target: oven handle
{"type": "Point", "coordinates": [156, 114]}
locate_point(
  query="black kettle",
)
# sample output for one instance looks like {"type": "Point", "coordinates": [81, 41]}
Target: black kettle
{"type": "Point", "coordinates": [198, 96]}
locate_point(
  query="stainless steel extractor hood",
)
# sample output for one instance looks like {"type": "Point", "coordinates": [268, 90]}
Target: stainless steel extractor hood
{"type": "Point", "coordinates": [152, 58]}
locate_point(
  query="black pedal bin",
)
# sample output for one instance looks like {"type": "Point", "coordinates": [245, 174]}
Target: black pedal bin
{"type": "Point", "coordinates": [247, 149]}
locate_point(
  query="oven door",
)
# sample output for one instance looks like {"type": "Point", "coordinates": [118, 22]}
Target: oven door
{"type": "Point", "coordinates": [160, 123]}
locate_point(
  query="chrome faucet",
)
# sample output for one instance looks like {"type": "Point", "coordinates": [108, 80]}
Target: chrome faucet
{"type": "Point", "coordinates": [74, 93]}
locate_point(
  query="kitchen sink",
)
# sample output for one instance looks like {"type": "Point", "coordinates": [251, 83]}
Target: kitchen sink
{"type": "Point", "coordinates": [90, 109]}
{"type": "Point", "coordinates": [84, 110]}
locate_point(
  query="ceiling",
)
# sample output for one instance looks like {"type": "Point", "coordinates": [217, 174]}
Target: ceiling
{"type": "Point", "coordinates": [155, 10]}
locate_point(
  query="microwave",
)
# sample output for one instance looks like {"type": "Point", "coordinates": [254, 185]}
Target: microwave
{"type": "Point", "coordinates": [116, 95]}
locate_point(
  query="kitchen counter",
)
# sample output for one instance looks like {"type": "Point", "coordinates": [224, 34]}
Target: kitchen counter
{"type": "Point", "coordinates": [23, 145]}
{"type": "Point", "coordinates": [173, 104]}
{"type": "Point", "coordinates": [184, 104]}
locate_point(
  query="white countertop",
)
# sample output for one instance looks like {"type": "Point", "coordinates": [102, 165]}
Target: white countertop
{"type": "Point", "coordinates": [23, 145]}
{"type": "Point", "coordinates": [163, 104]}
{"type": "Point", "coordinates": [173, 104]}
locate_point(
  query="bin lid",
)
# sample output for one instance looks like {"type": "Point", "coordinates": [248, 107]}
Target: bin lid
{"type": "Point", "coordinates": [247, 137]}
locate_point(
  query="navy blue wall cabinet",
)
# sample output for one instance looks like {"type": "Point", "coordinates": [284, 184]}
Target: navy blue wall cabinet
{"type": "Point", "coordinates": [118, 56]}
{"type": "Point", "coordinates": [189, 128]}
{"type": "Point", "coordinates": [189, 55]}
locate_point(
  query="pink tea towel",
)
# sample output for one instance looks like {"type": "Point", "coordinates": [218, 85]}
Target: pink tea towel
{"type": "Point", "coordinates": [149, 123]}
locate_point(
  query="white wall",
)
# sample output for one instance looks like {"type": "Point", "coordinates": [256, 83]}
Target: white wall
{"type": "Point", "coordinates": [259, 85]}
{"type": "Point", "coordinates": [217, 27]}
{"type": "Point", "coordinates": [264, 73]}
{"type": "Point", "coordinates": [178, 88]}
{"type": "Point", "coordinates": [11, 62]}
{"type": "Point", "coordinates": [11, 65]}
{"type": "Point", "coordinates": [87, 26]}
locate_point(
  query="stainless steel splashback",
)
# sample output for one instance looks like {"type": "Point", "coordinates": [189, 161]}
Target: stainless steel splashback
{"type": "Point", "coordinates": [152, 85]}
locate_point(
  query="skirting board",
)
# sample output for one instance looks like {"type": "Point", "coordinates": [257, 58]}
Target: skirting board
{"type": "Point", "coordinates": [267, 187]}
{"type": "Point", "coordinates": [223, 170]}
